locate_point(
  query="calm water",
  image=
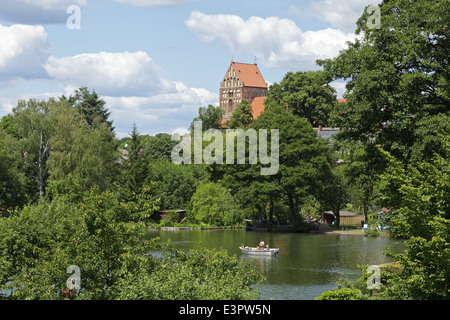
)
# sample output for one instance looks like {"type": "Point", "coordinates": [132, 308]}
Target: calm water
{"type": "Point", "coordinates": [307, 264]}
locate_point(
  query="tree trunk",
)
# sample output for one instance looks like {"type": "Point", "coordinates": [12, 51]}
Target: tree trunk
{"type": "Point", "coordinates": [365, 210]}
{"type": "Point", "coordinates": [292, 209]}
{"type": "Point", "coordinates": [271, 210]}
{"type": "Point", "coordinates": [42, 165]}
{"type": "Point", "coordinates": [337, 217]}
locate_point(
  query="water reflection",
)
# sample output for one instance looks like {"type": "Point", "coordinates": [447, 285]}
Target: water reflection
{"type": "Point", "coordinates": [307, 264]}
{"type": "Point", "coordinates": [262, 263]}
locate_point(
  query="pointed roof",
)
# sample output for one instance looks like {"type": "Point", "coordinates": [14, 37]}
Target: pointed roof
{"type": "Point", "coordinates": [250, 74]}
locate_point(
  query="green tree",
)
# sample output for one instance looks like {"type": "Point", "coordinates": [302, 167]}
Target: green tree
{"type": "Point", "coordinates": [158, 147]}
{"type": "Point", "coordinates": [363, 166]}
{"type": "Point", "coordinates": [134, 166]}
{"type": "Point", "coordinates": [174, 183]}
{"type": "Point", "coordinates": [334, 195]}
{"type": "Point", "coordinates": [6, 124]}
{"type": "Point", "coordinates": [210, 117]}
{"type": "Point", "coordinates": [90, 105]}
{"type": "Point", "coordinates": [12, 181]}
{"type": "Point", "coordinates": [67, 141]}
{"type": "Point", "coordinates": [304, 163]}
{"type": "Point", "coordinates": [420, 213]}
{"type": "Point", "coordinates": [101, 235]}
{"type": "Point", "coordinates": [87, 151]}
{"type": "Point", "coordinates": [106, 239]}
{"type": "Point", "coordinates": [398, 74]}
{"type": "Point", "coordinates": [213, 204]}
{"type": "Point", "coordinates": [31, 122]}
{"type": "Point", "coordinates": [194, 275]}
{"type": "Point", "coordinates": [242, 116]}
{"type": "Point", "coordinates": [429, 137]}
{"type": "Point", "coordinates": [308, 94]}
{"type": "Point", "coordinates": [251, 189]}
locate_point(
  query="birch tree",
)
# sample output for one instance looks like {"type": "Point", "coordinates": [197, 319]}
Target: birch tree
{"type": "Point", "coordinates": [34, 130]}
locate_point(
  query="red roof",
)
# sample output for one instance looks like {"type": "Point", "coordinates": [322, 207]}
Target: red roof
{"type": "Point", "coordinates": [250, 74]}
{"type": "Point", "coordinates": [258, 106]}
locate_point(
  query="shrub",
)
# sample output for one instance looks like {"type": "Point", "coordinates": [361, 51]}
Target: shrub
{"type": "Point", "coordinates": [341, 294]}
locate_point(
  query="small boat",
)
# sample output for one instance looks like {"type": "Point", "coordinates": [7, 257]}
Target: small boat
{"type": "Point", "coordinates": [259, 251]}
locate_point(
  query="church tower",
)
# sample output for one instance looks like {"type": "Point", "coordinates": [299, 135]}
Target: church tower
{"type": "Point", "coordinates": [242, 81]}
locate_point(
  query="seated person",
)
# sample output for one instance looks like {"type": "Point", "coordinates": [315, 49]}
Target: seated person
{"type": "Point", "coordinates": [261, 243]}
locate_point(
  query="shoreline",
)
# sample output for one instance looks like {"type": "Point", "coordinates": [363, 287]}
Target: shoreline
{"type": "Point", "coordinates": [193, 228]}
{"type": "Point", "coordinates": [335, 232]}
{"type": "Point", "coordinates": [343, 233]}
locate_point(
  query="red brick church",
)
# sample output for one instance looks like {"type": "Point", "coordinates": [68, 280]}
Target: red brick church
{"type": "Point", "coordinates": [242, 81]}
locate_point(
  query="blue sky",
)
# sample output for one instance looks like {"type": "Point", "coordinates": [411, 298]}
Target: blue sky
{"type": "Point", "coordinates": [155, 62]}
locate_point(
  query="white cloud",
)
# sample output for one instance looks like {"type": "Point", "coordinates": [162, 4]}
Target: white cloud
{"type": "Point", "coordinates": [133, 89]}
{"type": "Point", "coordinates": [129, 82]}
{"type": "Point", "coordinates": [339, 85]}
{"type": "Point", "coordinates": [156, 3]}
{"type": "Point", "coordinates": [341, 14]}
{"type": "Point", "coordinates": [23, 51]}
{"type": "Point", "coordinates": [37, 11]}
{"type": "Point", "coordinates": [115, 74]}
{"type": "Point", "coordinates": [276, 42]}
{"type": "Point", "coordinates": [163, 112]}
{"type": "Point", "coordinates": [7, 103]}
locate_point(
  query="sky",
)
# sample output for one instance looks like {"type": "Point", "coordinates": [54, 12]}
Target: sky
{"type": "Point", "coordinates": [155, 62]}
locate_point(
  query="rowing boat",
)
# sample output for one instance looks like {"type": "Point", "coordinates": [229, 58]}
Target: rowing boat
{"type": "Point", "coordinates": [260, 251]}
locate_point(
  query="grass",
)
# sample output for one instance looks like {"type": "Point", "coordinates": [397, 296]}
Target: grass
{"type": "Point", "coordinates": [348, 230]}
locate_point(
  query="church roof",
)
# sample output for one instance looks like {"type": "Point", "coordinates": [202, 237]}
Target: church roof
{"type": "Point", "coordinates": [258, 106]}
{"type": "Point", "coordinates": [250, 74]}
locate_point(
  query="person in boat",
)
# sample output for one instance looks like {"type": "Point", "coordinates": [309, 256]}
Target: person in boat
{"type": "Point", "coordinates": [261, 244]}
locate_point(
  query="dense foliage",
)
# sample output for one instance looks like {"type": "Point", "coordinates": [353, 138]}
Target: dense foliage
{"type": "Point", "coordinates": [106, 239]}
{"type": "Point", "coordinates": [73, 194]}
{"type": "Point", "coordinates": [397, 114]}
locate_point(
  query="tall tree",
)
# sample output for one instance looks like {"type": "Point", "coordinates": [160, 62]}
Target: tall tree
{"type": "Point", "coordinates": [210, 117]}
{"type": "Point", "coordinates": [158, 147]}
{"type": "Point", "coordinates": [308, 94]}
{"type": "Point", "coordinates": [419, 198]}
{"type": "Point", "coordinates": [334, 193]}
{"type": "Point", "coordinates": [212, 204]}
{"type": "Point", "coordinates": [31, 122]}
{"type": "Point", "coordinates": [174, 183]}
{"type": "Point", "coordinates": [398, 74]}
{"type": "Point", "coordinates": [304, 163]}
{"type": "Point", "coordinates": [242, 116]}
{"type": "Point", "coordinates": [12, 180]}
{"type": "Point", "coordinates": [364, 164]}
{"type": "Point", "coordinates": [134, 166]}
{"type": "Point", "coordinates": [86, 151]}
{"type": "Point", "coordinates": [91, 106]}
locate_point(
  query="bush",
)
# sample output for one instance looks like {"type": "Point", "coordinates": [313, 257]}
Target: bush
{"type": "Point", "coordinates": [201, 274]}
{"type": "Point", "coordinates": [341, 294]}
{"type": "Point", "coordinates": [372, 231]}
{"type": "Point", "coordinates": [166, 223]}
{"type": "Point", "coordinates": [304, 227]}
{"type": "Point", "coordinates": [213, 204]}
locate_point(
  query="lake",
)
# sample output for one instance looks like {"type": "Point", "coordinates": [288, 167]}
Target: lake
{"type": "Point", "coordinates": [307, 264]}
